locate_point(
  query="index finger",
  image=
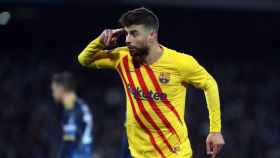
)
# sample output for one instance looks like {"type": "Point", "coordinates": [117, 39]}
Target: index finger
{"type": "Point", "coordinates": [216, 149]}
{"type": "Point", "coordinates": [117, 30]}
{"type": "Point", "coordinates": [219, 147]}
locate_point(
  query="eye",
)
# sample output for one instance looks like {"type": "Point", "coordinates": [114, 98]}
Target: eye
{"type": "Point", "coordinates": [134, 34]}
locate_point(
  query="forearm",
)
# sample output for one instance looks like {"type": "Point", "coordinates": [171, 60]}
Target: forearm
{"type": "Point", "coordinates": [94, 51]}
{"type": "Point", "coordinates": [213, 105]}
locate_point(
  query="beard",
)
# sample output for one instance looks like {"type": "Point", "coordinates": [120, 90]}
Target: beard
{"type": "Point", "coordinates": [138, 55]}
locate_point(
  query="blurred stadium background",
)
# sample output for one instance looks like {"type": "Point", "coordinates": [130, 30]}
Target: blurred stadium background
{"type": "Point", "coordinates": [236, 40]}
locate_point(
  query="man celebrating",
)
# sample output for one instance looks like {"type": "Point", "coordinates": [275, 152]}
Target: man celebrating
{"type": "Point", "coordinates": [155, 79]}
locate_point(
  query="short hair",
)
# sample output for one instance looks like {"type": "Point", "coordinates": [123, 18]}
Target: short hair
{"type": "Point", "coordinates": [140, 16]}
{"type": "Point", "coordinates": [66, 80]}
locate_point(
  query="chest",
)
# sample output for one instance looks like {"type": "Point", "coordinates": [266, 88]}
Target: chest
{"type": "Point", "coordinates": [156, 82]}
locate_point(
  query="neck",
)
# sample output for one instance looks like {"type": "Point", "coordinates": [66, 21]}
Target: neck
{"type": "Point", "coordinates": [69, 100]}
{"type": "Point", "coordinates": [155, 52]}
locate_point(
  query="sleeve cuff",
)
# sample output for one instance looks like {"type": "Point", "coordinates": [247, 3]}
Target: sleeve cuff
{"type": "Point", "coordinates": [215, 129]}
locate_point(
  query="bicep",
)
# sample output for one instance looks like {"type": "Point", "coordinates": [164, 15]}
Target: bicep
{"type": "Point", "coordinates": [195, 74]}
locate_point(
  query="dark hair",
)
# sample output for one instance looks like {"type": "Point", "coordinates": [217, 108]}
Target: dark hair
{"type": "Point", "coordinates": [140, 16]}
{"type": "Point", "coordinates": [65, 79]}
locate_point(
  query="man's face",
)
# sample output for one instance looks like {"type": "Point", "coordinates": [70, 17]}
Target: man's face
{"type": "Point", "coordinates": [137, 40]}
{"type": "Point", "coordinates": [57, 91]}
{"type": "Point", "coordinates": [137, 37]}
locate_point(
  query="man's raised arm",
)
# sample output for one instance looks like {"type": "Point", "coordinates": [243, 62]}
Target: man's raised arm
{"type": "Point", "coordinates": [95, 50]}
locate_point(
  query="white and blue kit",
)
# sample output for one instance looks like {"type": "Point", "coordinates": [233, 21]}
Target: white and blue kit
{"type": "Point", "coordinates": [77, 125]}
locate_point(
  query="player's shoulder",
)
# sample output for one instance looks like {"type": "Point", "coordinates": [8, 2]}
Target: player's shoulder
{"type": "Point", "coordinates": [83, 106]}
{"type": "Point", "coordinates": [120, 52]}
{"type": "Point", "coordinates": [124, 48]}
{"type": "Point", "coordinates": [81, 102]}
{"type": "Point", "coordinates": [182, 61]}
{"type": "Point", "coordinates": [179, 57]}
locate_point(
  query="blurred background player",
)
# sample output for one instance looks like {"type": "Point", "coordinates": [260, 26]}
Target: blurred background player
{"type": "Point", "coordinates": [76, 118]}
{"type": "Point", "coordinates": [155, 87]}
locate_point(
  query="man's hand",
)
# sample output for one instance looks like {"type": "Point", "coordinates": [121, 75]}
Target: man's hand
{"type": "Point", "coordinates": [214, 143]}
{"type": "Point", "coordinates": [109, 37]}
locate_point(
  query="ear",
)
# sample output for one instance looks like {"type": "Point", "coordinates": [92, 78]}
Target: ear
{"type": "Point", "coordinates": [152, 35]}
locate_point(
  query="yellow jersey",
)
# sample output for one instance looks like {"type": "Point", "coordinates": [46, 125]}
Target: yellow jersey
{"type": "Point", "coordinates": [156, 96]}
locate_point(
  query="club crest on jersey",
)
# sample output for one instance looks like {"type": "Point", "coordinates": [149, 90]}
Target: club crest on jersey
{"type": "Point", "coordinates": [164, 77]}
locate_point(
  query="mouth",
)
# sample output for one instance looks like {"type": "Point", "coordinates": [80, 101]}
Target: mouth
{"type": "Point", "coordinates": [132, 50]}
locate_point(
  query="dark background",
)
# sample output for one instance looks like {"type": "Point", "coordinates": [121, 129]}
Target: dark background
{"type": "Point", "coordinates": [239, 46]}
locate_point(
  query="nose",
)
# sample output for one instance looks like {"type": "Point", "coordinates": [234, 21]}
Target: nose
{"type": "Point", "coordinates": [127, 39]}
